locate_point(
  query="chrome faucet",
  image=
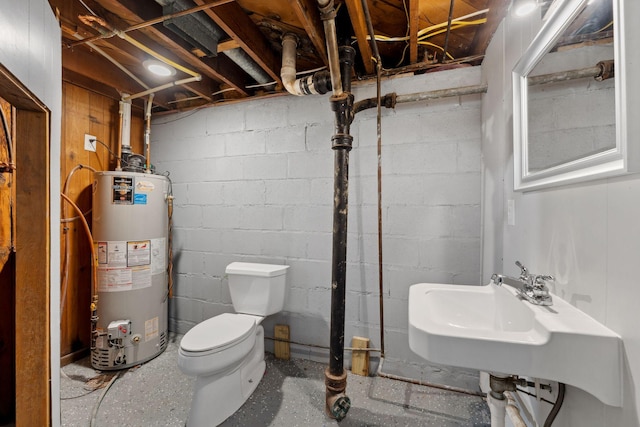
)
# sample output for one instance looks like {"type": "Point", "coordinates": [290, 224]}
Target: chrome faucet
{"type": "Point", "coordinates": [532, 287]}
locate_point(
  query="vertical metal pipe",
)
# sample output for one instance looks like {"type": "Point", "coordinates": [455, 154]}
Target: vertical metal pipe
{"type": "Point", "coordinates": [341, 144]}
{"type": "Point", "coordinates": [378, 60]}
{"type": "Point", "coordinates": [446, 38]}
{"type": "Point", "coordinates": [339, 257]}
{"type": "Point", "coordinates": [147, 133]}
{"type": "Point", "coordinates": [328, 15]}
{"type": "Point", "coordinates": [337, 403]}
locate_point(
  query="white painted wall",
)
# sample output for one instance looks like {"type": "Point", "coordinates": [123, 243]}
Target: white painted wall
{"type": "Point", "coordinates": [30, 50]}
{"type": "Point", "coordinates": [254, 182]}
{"type": "Point", "coordinates": [586, 235]}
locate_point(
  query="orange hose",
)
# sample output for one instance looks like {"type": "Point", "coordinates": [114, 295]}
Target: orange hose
{"type": "Point", "coordinates": [94, 254]}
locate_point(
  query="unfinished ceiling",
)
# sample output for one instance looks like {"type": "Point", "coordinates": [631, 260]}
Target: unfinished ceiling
{"type": "Point", "coordinates": [227, 50]}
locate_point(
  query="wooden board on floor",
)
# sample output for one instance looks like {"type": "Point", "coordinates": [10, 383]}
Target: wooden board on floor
{"type": "Point", "coordinates": [281, 332]}
{"type": "Point", "coordinates": [360, 358]}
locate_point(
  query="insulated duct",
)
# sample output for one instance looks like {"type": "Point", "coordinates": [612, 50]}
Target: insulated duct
{"type": "Point", "coordinates": [196, 28]}
{"type": "Point", "coordinates": [199, 31]}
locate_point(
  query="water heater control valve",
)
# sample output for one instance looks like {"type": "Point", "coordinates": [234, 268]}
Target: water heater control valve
{"type": "Point", "coordinates": [119, 329]}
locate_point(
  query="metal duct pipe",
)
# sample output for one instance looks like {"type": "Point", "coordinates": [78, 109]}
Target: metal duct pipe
{"type": "Point", "coordinates": [318, 83]}
{"type": "Point", "coordinates": [245, 62]}
{"type": "Point", "coordinates": [196, 28]}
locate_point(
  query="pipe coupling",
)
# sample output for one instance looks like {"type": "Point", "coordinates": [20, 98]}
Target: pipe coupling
{"type": "Point", "coordinates": [607, 70]}
{"type": "Point", "coordinates": [342, 106]}
{"type": "Point", "coordinates": [342, 141]}
{"type": "Point", "coordinates": [501, 384]}
{"type": "Point", "coordinates": [327, 10]}
{"type": "Point", "coordinates": [337, 402]}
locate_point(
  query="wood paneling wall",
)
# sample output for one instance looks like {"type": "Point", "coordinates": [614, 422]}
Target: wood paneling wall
{"type": "Point", "coordinates": [84, 112]}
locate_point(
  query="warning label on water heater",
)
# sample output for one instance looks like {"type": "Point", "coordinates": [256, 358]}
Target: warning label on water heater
{"type": "Point", "coordinates": [138, 253]}
{"type": "Point", "coordinates": [151, 329]}
{"type": "Point", "coordinates": [124, 265]}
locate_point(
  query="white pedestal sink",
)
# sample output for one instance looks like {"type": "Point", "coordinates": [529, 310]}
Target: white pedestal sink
{"type": "Point", "coordinates": [491, 329]}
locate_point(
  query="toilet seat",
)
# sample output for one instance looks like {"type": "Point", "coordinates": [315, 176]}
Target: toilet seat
{"type": "Point", "coordinates": [218, 334]}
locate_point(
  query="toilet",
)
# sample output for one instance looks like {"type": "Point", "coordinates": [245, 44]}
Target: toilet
{"type": "Point", "coordinates": [226, 352]}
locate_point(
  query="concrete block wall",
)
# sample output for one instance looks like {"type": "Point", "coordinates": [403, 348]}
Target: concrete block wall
{"type": "Point", "coordinates": [254, 182]}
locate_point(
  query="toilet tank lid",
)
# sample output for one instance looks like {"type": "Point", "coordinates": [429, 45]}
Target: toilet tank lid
{"type": "Point", "coordinates": [254, 269]}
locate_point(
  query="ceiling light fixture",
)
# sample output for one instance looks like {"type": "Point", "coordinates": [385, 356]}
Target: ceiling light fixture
{"type": "Point", "coordinates": [159, 68]}
{"type": "Point", "coordinates": [524, 7]}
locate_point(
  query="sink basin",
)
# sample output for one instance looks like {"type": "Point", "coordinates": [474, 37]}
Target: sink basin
{"type": "Point", "coordinates": [490, 328]}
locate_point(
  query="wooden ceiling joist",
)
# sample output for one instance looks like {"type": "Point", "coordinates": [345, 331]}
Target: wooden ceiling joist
{"type": "Point", "coordinates": [135, 11]}
{"type": "Point", "coordinates": [359, 24]}
{"type": "Point", "coordinates": [235, 22]}
{"type": "Point", "coordinates": [414, 11]}
{"type": "Point", "coordinates": [309, 15]}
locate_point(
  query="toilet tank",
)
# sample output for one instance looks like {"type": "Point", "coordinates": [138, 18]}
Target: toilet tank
{"type": "Point", "coordinates": [257, 289]}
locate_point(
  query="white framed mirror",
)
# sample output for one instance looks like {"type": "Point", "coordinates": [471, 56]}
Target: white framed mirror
{"type": "Point", "coordinates": [570, 106]}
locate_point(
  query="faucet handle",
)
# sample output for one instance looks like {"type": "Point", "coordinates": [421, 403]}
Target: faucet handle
{"type": "Point", "coordinates": [541, 278]}
{"type": "Point", "coordinates": [524, 272]}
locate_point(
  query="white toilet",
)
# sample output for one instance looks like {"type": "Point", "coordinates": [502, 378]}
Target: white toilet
{"type": "Point", "coordinates": [226, 352]}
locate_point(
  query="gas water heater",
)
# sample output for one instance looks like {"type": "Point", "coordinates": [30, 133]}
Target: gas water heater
{"type": "Point", "coordinates": [130, 233]}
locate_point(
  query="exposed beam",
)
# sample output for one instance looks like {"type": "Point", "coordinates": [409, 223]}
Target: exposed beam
{"type": "Point", "coordinates": [414, 12]}
{"type": "Point", "coordinates": [223, 69]}
{"type": "Point", "coordinates": [110, 81]}
{"type": "Point", "coordinates": [309, 15]}
{"type": "Point", "coordinates": [128, 56]}
{"type": "Point", "coordinates": [360, 28]}
{"type": "Point", "coordinates": [227, 45]}
{"type": "Point", "coordinates": [237, 24]}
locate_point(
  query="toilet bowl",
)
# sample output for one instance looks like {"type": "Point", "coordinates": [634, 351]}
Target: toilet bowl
{"type": "Point", "coordinates": [226, 352]}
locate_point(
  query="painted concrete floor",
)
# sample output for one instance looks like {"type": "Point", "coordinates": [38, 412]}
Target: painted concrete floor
{"type": "Point", "coordinates": [290, 394]}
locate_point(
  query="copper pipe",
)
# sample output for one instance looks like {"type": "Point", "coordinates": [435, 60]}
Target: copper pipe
{"type": "Point", "coordinates": [147, 133]}
{"type": "Point", "coordinates": [162, 87]}
{"type": "Point", "coordinates": [155, 21]}
{"type": "Point", "coordinates": [378, 63]}
{"type": "Point", "coordinates": [94, 254]}
{"type": "Point", "coordinates": [119, 149]}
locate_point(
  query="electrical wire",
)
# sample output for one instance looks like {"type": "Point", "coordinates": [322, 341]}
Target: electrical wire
{"type": "Point", "coordinates": [432, 31]}
{"type": "Point", "coordinates": [87, 7]}
{"type": "Point", "coordinates": [109, 149]}
{"type": "Point", "coordinates": [80, 395]}
{"type": "Point", "coordinates": [521, 390]}
{"type": "Point", "coordinates": [75, 218]}
{"type": "Point", "coordinates": [170, 233]}
{"type": "Point", "coordinates": [556, 406]}
{"type": "Point", "coordinates": [96, 407]}
{"type": "Point", "coordinates": [605, 27]}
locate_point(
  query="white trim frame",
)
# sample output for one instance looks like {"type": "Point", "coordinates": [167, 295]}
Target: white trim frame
{"type": "Point", "coordinates": [617, 161]}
